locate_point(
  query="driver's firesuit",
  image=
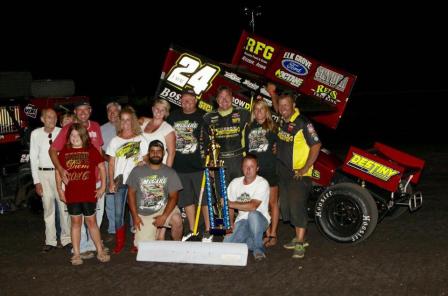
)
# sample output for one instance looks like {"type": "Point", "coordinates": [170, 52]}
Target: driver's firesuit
{"type": "Point", "coordinates": [229, 128]}
{"type": "Point", "coordinates": [295, 138]}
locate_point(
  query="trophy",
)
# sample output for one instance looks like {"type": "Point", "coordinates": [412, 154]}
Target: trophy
{"type": "Point", "coordinates": [219, 219]}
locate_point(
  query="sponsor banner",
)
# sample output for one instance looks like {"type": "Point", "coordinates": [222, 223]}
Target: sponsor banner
{"type": "Point", "coordinates": [293, 71]}
{"type": "Point", "coordinates": [184, 69]}
{"type": "Point", "coordinates": [373, 169]}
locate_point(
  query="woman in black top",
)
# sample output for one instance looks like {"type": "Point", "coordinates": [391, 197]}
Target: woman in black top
{"type": "Point", "coordinates": [261, 139]}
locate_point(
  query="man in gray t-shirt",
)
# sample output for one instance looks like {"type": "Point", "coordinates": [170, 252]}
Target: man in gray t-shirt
{"type": "Point", "coordinates": [153, 192]}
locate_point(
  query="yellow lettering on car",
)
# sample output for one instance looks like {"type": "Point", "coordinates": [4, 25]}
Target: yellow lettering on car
{"type": "Point", "coordinates": [371, 167]}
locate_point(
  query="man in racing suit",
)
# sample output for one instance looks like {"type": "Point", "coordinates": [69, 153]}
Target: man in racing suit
{"type": "Point", "coordinates": [229, 124]}
{"type": "Point", "coordinates": [297, 149]}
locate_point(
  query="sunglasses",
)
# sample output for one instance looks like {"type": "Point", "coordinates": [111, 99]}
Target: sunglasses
{"type": "Point", "coordinates": [50, 137]}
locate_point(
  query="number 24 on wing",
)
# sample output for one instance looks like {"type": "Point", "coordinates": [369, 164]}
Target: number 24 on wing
{"type": "Point", "coordinates": [190, 71]}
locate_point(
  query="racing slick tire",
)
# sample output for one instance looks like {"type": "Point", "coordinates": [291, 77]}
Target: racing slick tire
{"type": "Point", "coordinates": [346, 213]}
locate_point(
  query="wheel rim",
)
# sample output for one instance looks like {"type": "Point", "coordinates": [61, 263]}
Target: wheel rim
{"type": "Point", "coordinates": [344, 215]}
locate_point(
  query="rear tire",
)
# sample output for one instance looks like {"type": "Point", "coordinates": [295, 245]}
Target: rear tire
{"type": "Point", "coordinates": [346, 213]}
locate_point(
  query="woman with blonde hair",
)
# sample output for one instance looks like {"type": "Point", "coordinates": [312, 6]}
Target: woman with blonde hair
{"type": "Point", "coordinates": [125, 150]}
{"type": "Point", "coordinates": [156, 128]}
{"type": "Point", "coordinates": [261, 139]}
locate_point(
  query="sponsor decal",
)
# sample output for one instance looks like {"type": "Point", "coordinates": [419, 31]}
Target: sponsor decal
{"type": "Point", "coordinates": [298, 58]}
{"type": "Point", "coordinates": [284, 136]}
{"type": "Point", "coordinates": [30, 110]}
{"type": "Point", "coordinates": [331, 78]}
{"type": "Point", "coordinates": [250, 84]}
{"type": "Point", "coordinates": [294, 67]}
{"type": "Point", "coordinates": [232, 76]}
{"type": "Point", "coordinates": [189, 70]}
{"type": "Point", "coordinates": [371, 167]}
{"type": "Point", "coordinates": [320, 203]}
{"type": "Point", "coordinates": [312, 132]}
{"type": "Point", "coordinates": [362, 230]}
{"type": "Point", "coordinates": [315, 174]}
{"type": "Point", "coordinates": [205, 106]}
{"type": "Point", "coordinates": [258, 47]}
{"type": "Point", "coordinates": [291, 79]}
{"type": "Point", "coordinates": [326, 93]}
{"type": "Point", "coordinates": [291, 126]}
{"type": "Point", "coordinates": [227, 131]}
{"type": "Point", "coordinates": [240, 103]}
{"type": "Point", "coordinates": [170, 95]}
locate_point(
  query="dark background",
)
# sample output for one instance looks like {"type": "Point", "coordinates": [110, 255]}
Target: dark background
{"type": "Point", "coordinates": [397, 53]}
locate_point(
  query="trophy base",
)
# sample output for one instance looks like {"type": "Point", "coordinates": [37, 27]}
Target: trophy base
{"type": "Point", "coordinates": [219, 228]}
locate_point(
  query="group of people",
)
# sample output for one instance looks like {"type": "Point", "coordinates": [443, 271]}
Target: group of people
{"type": "Point", "coordinates": [155, 166]}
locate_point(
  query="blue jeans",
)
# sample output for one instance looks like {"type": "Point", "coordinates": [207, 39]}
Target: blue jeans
{"type": "Point", "coordinates": [110, 212]}
{"type": "Point", "coordinates": [250, 231]}
{"type": "Point", "coordinates": [120, 198]}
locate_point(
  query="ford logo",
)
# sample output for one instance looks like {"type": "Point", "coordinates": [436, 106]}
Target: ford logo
{"type": "Point", "coordinates": [294, 67]}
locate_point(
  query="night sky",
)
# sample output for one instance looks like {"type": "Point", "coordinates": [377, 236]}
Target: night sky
{"type": "Point", "coordinates": [398, 54]}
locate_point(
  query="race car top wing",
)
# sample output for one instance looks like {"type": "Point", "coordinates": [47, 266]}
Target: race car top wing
{"type": "Point", "coordinates": [322, 89]}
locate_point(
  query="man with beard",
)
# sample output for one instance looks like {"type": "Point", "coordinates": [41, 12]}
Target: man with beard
{"type": "Point", "coordinates": [153, 193]}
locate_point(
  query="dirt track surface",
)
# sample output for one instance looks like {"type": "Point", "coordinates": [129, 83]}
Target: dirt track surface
{"type": "Point", "coordinates": [407, 256]}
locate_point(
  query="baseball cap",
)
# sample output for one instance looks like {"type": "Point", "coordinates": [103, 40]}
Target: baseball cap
{"type": "Point", "coordinates": [188, 91]}
{"type": "Point", "coordinates": [156, 143]}
{"type": "Point", "coordinates": [82, 103]}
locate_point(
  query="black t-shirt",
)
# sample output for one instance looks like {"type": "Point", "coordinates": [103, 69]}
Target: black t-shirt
{"type": "Point", "coordinates": [259, 141]}
{"type": "Point", "coordinates": [189, 144]}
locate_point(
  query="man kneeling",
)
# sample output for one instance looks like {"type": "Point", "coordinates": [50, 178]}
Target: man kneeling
{"type": "Point", "coordinates": [152, 197]}
{"type": "Point", "coordinates": [250, 196]}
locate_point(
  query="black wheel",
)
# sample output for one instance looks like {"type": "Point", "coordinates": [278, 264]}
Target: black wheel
{"type": "Point", "coordinates": [346, 213]}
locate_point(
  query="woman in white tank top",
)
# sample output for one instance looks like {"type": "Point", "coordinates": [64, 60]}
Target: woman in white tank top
{"type": "Point", "coordinates": [156, 128]}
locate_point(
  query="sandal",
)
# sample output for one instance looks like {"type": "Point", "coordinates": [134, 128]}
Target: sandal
{"type": "Point", "coordinates": [76, 260]}
{"type": "Point", "coordinates": [103, 257]}
{"type": "Point", "coordinates": [271, 241]}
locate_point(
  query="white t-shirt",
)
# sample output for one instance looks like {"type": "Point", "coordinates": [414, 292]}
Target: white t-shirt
{"type": "Point", "coordinates": [258, 189]}
{"type": "Point", "coordinates": [159, 134]}
{"type": "Point", "coordinates": [127, 153]}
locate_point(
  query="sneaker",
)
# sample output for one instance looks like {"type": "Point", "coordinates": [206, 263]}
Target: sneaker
{"type": "Point", "coordinates": [292, 244]}
{"type": "Point", "coordinates": [187, 236]}
{"type": "Point", "coordinates": [87, 255]}
{"type": "Point", "coordinates": [76, 260]}
{"type": "Point", "coordinates": [47, 248]}
{"type": "Point", "coordinates": [299, 251]}
{"type": "Point", "coordinates": [259, 256]}
{"type": "Point", "coordinates": [207, 237]}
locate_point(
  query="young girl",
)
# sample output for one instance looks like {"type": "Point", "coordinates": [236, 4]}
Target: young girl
{"type": "Point", "coordinates": [261, 138]}
{"type": "Point", "coordinates": [80, 159]}
{"type": "Point", "coordinates": [125, 151]}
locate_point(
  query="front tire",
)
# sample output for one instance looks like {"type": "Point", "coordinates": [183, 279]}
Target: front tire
{"type": "Point", "coordinates": [346, 213]}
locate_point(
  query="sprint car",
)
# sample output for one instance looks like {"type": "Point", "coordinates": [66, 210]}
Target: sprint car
{"type": "Point", "coordinates": [349, 197]}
